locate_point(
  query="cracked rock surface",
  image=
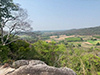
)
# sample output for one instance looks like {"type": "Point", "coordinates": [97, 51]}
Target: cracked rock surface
{"type": "Point", "coordinates": [35, 67]}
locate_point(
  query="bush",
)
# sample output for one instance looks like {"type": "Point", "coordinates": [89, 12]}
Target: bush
{"type": "Point", "coordinates": [49, 52]}
{"type": "Point", "coordinates": [4, 51]}
{"type": "Point", "coordinates": [19, 49]}
{"type": "Point", "coordinates": [79, 45]}
{"type": "Point", "coordinates": [98, 43]}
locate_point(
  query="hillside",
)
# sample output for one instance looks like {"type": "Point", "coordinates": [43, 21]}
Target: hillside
{"type": "Point", "coordinates": [83, 31]}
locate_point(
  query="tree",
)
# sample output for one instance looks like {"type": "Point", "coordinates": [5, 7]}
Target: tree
{"type": "Point", "coordinates": [13, 20]}
{"type": "Point", "coordinates": [49, 52]}
{"type": "Point", "coordinates": [98, 43]}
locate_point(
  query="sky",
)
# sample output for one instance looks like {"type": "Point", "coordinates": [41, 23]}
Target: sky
{"type": "Point", "coordinates": [62, 14]}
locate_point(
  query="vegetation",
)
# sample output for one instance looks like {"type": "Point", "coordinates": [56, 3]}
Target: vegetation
{"type": "Point", "coordinates": [97, 37]}
{"type": "Point", "coordinates": [93, 42]}
{"type": "Point", "coordinates": [84, 31]}
{"type": "Point", "coordinates": [73, 39]}
{"type": "Point", "coordinates": [82, 61]}
{"type": "Point", "coordinates": [49, 52]}
{"type": "Point", "coordinates": [30, 36]}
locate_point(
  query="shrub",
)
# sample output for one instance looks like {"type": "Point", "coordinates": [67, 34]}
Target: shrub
{"type": "Point", "coordinates": [98, 43]}
{"type": "Point", "coordinates": [19, 49]}
{"type": "Point", "coordinates": [49, 52]}
{"type": "Point", "coordinates": [4, 51]}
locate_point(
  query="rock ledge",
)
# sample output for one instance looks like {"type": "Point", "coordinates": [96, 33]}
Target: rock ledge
{"type": "Point", "coordinates": [37, 67]}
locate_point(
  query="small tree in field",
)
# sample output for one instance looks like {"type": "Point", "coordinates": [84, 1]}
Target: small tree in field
{"type": "Point", "coordinates": [13, 20]}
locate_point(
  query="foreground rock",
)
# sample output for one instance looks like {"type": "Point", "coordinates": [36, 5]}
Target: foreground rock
{"type": "Point", "coordinates": [4, 71]}
{"type": "Point", "coordinates": [19, 63]}
{"type": "Point", "coordinates": [36, 67]}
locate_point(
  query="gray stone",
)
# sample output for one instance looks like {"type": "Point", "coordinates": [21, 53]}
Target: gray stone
{"type": "Point", "coordinates": [19, 63]}
{"type": "Point", "coordinates": [35, 62]}
{"type": "Point", "coordinates": [36, 67]}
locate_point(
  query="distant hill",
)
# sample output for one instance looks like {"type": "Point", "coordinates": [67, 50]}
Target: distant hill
{"type": "Point", "coordinates": [83, 31]}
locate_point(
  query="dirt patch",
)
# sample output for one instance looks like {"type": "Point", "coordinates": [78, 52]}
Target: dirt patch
{"type": "Point", "coordinates": [61, 37]}
{"type": "Point", "coordinates": [52, 37]}
{"type": "Point", "coordinates": [88, 43]}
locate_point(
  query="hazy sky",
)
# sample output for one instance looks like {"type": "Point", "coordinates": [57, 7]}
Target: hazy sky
{"type": "Point", "coordinates": [62, 14]}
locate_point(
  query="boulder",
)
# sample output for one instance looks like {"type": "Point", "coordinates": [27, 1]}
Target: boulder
{"type": "Point", "coordinates": [5, 70]}
{"type": "Point", "coordinates": [37, 67]}
{"type": "Point", "coordinates": [19, 63]}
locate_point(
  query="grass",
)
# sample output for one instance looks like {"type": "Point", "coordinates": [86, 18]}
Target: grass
{"type": "Point", "coordinates": [93, 42]}
{"type": "Point", "coordinates": [97, 37]}
{"type": "Point", "coordinates": [90, 41]}
{"type": "Point", "coordinates": [73, 39]}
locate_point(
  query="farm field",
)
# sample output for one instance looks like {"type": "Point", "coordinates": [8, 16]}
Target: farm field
{"type": "Point", "coordinates": [86, 41]}
{"type": "Point", "coordinates": [93, 42]}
